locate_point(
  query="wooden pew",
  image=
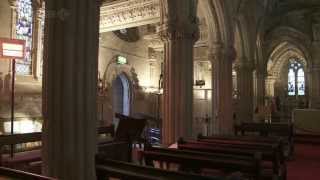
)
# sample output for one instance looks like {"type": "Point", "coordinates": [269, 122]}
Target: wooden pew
{"type": "Point", "coordinates": [192, 161]}
{"type": "Point", "coordinates": [116, 150]}
{"type": "Point", "coordinates": [31, 158]}
{"type": "Point", "coordinates": [248, 141]}
{"type": "Point", "coordinates": [7, 173]}
{"type": "Point", "coordinates": [274, 129]}
{"type": "Point", "coordinates": [269, 154]}
{"type": "Point", "coordinates": [106, 168]}
{"type": "Point", "coordinates": [21, 159]}
{"type": "Point", "coordinates": [273, 143]}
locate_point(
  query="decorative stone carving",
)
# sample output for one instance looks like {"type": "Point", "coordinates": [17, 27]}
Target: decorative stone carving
{"type": "Point", "coordinates": [129, 14]}
{"type": "Point", "coordinates": [13, 4]}
{"type": "Point", "coordinates": [179, 32]}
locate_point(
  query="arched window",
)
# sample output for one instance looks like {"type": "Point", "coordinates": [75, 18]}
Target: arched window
{"type": "Point", "coordinates": [24, 31]}
{"type": "Point", "coordinates": [296, 79]}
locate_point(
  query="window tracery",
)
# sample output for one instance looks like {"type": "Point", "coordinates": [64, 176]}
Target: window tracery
{"type": "Point", "coordinates": [296, 79]}
{"type": "Point", "coordinates": [24, 31]}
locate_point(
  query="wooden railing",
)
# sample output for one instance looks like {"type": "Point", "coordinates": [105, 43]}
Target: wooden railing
{"type": "Point", "coordinates": [7, 173]}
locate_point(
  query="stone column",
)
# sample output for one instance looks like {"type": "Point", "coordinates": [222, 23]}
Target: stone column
{"type": "Point", "coordinates": [179, 32]}
{"type": "Point", "coordinates": [36, 39]}
{"type": "Point", "coordinates": [270, 81]}
{"type": "Point", "coordinates": [13, 6]}
{"type": "Point", "coordinates": [71, 56]}
{"type": "Point", "coordinates": [222, 89]}
{"type": "Point", "coordinates": [261, 87]}
{"type": "Point", "coordinates": [315, 77]}
{"type": "Point", "coordinates": [244, 70]}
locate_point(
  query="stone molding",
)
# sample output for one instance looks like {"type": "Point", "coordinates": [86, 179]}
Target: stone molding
{"type": "Point", "coordinates": [13, 4]}
{"type": "Point", "coordinates": [219, 52]}
{"type": "Point", "coordinates": [178, 32]}
{"type": "Point", "coordinates": [128, 14]}
{"type": "Point", "coordinates": [244, 65]}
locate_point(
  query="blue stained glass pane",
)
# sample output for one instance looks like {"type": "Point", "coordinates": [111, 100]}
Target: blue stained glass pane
{"type": "Point", "coordinates": [301, 82]}
{"type": "Point", "coordinates": [24, 31]}
{"type": "Point", "coordinates": [291, 83]}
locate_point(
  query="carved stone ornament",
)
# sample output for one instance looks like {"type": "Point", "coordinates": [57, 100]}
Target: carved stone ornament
{"type": "Point", "coordinates": [219, 52]}
{"type": "Point", "coordinates": [179, 32]}
{"type": "Point", "coordinates": [128, 14]}
{"type": "Point", "coordinates": [13, 3]}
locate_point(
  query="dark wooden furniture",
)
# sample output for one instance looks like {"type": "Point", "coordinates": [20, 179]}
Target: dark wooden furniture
{"type": "Point", "coordinates": [193, 161]}
{"type": "Point", "coordinates": [29, 160]}
{"type": "Point", "coordinates": [7, 173]}
{"type": "Point", "coordinates": [106, 168]}
{"type": "Point", "coordinates": [270, 155]}
{"type": "Point", "coordinates": [284, 130]}
{"type": "Point", "coordinates": [274, 144]}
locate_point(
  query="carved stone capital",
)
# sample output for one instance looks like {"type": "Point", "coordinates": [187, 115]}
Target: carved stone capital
{"type": "Point", "coordinates": [244, 65]}
{"type": "Point", "coordinates": [219, 52]}
{"type": "Point", "coordinates": [178, 32]}
{"type": "Point", "coordinates": [13, 4]}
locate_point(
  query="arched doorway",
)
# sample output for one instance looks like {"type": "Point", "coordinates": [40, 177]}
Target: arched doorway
{"type": "Point", "coordinates": [121, 97]}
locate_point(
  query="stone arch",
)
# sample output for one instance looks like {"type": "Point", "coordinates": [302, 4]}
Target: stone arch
{"type": "Point", "coordinates": [281, 54]}
{"type": "Point", "coordinates": [111, 73]}
{"type": "Point", "coordinates": [286, 34]}
{"type": "Point", "coordinates": [277, 66]}
{"type": "Point", "coordinates": [219, 22]}
{"type": "Point", "coordinates": [113, 70]}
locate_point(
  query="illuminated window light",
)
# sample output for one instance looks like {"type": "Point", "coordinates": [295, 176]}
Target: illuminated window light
{"type": "Point", "coordinates": [121, 60]}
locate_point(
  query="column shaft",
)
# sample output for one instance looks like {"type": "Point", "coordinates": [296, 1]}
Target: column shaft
{"type": "Point", "coordinates": [315, 87]}
{"type": "Point", "coordinates": [179, 32]}
{"type": "Point", "coordinates": [222, 90]}
{"type": "Point", "coordinates": [315, 75]}
{"type": "Point", "coordinates": [178, 93]}
{"type": "Point", "coordinates": [36, 40]}
{"type": "Point", "coordinates": [260, 91]}
{"type": "Point", "coordinates": [245, 88]}
{"type": "Point", "coordinates": [71, 56]}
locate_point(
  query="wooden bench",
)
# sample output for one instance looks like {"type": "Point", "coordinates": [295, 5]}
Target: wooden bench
{"type": "Point", "coordinates": [116, 150]}
{"type": "Point", "coordinates": [248, 141]}
{"type": "Point", "coordinates": [30, 158]}
{"type": "Point", "coordinates": [274, 129]}
{"type": "Point", "coordinates": [106, 168]}
{"type": "Point", "coordinates": [192, 161]}
{"type": "Point", "coordinates": [270, 155]}
{"type": "Point", "coordinates": [7, 173]}
{"type": "Point", "coordinates": [273, 143]}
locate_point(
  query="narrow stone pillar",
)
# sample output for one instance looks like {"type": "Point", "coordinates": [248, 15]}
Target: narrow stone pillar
{"type": "Point", "coordinates": [36, 39]}
{"type": "Point", "coordinates": [260, 87]}
{"type": "Point", "coordinates": [315, 77]}
{"type": "Point", "coordinates": [71, 56]}
{"type": "Point", "coordinates": [179, 32]}
{"type": "Point", "coordinates": [13, 6]}
{"type": "Point", "coordinates": [222, 89]}
{"type": "Point", "coordinates": [244, 70]}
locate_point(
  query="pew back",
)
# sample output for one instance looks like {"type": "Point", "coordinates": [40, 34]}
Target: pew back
{"type": "Point", "coordinates": [106, 168]}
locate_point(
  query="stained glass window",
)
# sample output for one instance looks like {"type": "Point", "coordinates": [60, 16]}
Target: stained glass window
{"type": "Point", "coordinates": [43, 17]}
{"type": "Point", "coordinates": [296, 79]}
{"type": "Point", "coordinates": [301, 83]}
{"type": "Point", "coordinates": [291, 83]}
{"type": "Point", "coordinates": [24, 31]}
